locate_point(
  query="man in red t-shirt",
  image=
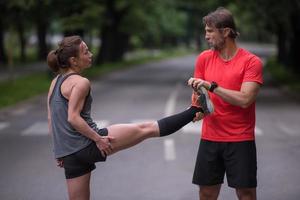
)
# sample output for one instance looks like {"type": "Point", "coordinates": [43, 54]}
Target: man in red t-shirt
{"type": "Point", "coordinates": [233, 77]}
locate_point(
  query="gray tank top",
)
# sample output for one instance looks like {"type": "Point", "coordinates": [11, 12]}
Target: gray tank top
{"type": "Point", "coordinates": [66, 140]}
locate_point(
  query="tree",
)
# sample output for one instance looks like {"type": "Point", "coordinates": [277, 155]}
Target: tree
{"type": "Point", "coordinates": [281, 19]}
{"type": "Point", "coordinates": [18, 15]}
{"type": "Point", "coordinates": [3, 12]}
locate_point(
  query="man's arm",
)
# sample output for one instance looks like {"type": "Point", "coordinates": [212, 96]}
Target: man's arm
{"type": "Point", "coordinates": [243, 98]}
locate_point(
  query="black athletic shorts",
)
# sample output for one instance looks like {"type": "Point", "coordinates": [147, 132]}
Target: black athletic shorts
{"type": "Point", "coordinates": [83, 161]}
{"type": "Point", "coordinates": [236, 159]}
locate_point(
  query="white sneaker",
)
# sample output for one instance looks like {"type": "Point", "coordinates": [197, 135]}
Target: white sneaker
{"type": "Point", "coordinates": [204, 101]}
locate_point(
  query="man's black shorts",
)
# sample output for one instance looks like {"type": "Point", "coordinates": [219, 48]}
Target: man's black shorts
{"type": "Point", "coordinates": [236, 159]}
{"type": "Point", "coordinates": [83, 161]}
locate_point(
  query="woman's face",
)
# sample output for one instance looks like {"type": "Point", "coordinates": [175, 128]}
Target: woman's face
{"type": "Point", "coordinates": [84, 59]}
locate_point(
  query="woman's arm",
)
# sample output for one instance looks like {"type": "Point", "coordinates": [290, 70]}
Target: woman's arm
{"type": "Point", "coordinates": [48, 104]}
{"type": "Point", "coordinates": [76, 98]}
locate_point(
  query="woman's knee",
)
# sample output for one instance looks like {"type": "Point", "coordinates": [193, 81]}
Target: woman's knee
{"type": "Point", "coordinates": [149, 129]}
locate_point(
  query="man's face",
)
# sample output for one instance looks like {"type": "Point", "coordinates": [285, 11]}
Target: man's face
{"type": "Point", "coordinates": [214, 37]}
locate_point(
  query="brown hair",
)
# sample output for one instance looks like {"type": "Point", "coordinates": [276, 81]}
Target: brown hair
{"type": "Point", "coordinates": [59, 58]}
{"type": "Point", "coordinates": [221, 18]}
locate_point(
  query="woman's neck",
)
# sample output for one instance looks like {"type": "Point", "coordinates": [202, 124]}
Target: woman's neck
{"type": "Point", "coordinates": [70, 71]}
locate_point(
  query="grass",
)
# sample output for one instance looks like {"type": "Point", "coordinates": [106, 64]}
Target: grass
{"type": "Point", "coordinates": [14, 91]}
{"type": "Point", "coordinates": [19, 89]}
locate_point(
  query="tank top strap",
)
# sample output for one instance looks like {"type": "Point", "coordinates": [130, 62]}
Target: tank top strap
{"type": "Point", "coordinates": [60, 79]}
{"type": "Point", "coordinates": [64, 77]}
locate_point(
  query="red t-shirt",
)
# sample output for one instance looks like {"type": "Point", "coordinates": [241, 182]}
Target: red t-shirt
{"type": "Point", "coordinates": [229, 123]}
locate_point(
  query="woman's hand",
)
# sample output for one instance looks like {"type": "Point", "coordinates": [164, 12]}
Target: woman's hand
{"type": "Point", "coordinates": [198, 116]}
{"type": "Point", "coordinates": [59, 163]}
{"type": "Point", "coordinates": [104, 145]}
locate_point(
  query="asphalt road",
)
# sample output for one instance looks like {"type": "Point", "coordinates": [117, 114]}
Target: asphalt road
{"type": "Point", "coordinates": [156, 169]}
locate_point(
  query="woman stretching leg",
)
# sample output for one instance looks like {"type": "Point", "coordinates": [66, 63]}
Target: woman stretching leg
{"type": "Point", "coordinates": [78, 143]}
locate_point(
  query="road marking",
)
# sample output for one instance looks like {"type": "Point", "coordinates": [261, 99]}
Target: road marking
{"type": "Point", "coordinates": [169, 145]}
{"type": "Point", "coordinates": [258, 131]}
{"type": "Point", "coordinates": [38, 128]}
{"type": "Point", "coordinates": [3, 125]}
{"type": "Point", "coordinates": [193, 128]}
{"type": "Point", "coordinates": [102, 123]}
{"type": "Point", "coordinates": [170, 106]}
{"type": "Point", "coordinates": [136, 121]}
{"type": "Point", "coordinates": [288, 130]}
{"type": "Point", "coordinates": [169, 149]}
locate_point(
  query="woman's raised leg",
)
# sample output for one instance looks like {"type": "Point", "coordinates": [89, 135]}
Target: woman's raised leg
{"type": "Point", "coordinates": [127, 135]}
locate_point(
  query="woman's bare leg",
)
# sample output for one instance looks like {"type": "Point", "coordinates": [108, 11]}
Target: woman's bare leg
{"type": "Point", "coordinates": [128, 135]}
{"type": "Point", "coordinates": [79, 187]}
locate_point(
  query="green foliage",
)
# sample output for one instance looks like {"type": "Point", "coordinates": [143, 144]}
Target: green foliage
{"type": "Point", "coordinates": [23, 88]}
{"type": "Point", "coordinates": [282, 75]}
{"type": "Point", "coordinates": [152, 20]}
{"type": "Point", "coordinates": [13, 91]}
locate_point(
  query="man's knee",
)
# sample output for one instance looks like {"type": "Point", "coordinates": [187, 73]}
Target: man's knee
{"type": "Point", "coordinates": [209, 192]}
{"type": "Point", "coordinates": [246, 193]}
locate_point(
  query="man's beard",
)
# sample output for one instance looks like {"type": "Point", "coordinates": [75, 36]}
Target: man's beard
{"type": "Point", "coordinates": [218, 46]}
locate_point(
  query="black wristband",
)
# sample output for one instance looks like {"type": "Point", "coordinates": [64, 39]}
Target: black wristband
{"type": "Point", "coordinates": [213, 86]}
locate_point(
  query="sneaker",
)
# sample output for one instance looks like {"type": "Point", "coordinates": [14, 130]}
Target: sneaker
{"type": "Point", "coordinates": [204, 101]}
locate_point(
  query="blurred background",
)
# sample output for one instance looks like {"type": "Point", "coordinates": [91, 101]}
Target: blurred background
{"type": "Point", "coordinates": [120, 30]}
{"type": "Point", "coordinates": [143, 51]}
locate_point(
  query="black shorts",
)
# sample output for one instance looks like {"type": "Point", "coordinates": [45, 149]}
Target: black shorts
{"type": "Point", "coordinates": [83, 161]}
{"type": "Point", "coordinates": [236, 159]}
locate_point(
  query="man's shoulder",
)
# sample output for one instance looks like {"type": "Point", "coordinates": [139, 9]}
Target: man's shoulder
{"type": "Point", "coordinates": [206, 54]}
{"type": "Point", "coordinates": [249, 55]}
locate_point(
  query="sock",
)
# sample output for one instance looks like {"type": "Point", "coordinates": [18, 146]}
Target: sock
{"type": "Point", "coordinates": [173, 123]}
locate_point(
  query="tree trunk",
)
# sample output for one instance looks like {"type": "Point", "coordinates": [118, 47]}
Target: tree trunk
{"type": "Point", "coordinates": [22, 39]}
{"type": "Point", "coordinates": [198, 33]}
{"type": "Point", "coordinates": [114, 43]}
{"type": "Point", "coordinates": [3, 56]}
{"type": "Point", "coordinates": [295, 41]}
{"type": "Point", "coordinates": [282, 43]}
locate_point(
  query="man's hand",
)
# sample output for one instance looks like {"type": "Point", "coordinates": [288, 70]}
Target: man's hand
{"type": "Point", "coordinates": [196, 83]}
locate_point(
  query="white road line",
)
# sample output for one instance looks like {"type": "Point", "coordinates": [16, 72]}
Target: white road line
{"type": "Point", "coordinates": [102, 123]}
{"type": "Point", "coordinates": [3, 125]}
{"type": "Point", "coordinates": [38, 128]}
{"type": "Point", "coordinates": [288, 130]}
{"type": "Point", "coordinates": [258, 131]}
{"type": "Point", "coordinates": [170, 106]}
{"type": "Point", "coordinates": [193, 128]}
{"type": "Point", "coordinates": [135, 121]}
{"type": "Point", "coordinates": [169, 149]}
{"type": "Point", "coordinates": [169, 145]}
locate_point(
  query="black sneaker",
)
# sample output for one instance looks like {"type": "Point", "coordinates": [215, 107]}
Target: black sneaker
{"type": "Point", "coordinates": [204, 101]}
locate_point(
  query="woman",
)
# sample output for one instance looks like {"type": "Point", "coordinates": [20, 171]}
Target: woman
{"type": "Point", "coordinates": [78, 143]}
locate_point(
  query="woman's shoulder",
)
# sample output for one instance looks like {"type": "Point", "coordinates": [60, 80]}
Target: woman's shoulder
{"type": "Point", "coordinates": [80, 81]}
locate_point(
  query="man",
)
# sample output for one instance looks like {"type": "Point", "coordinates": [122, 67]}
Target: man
{"type": "Point", "coordinates": [233, 77]}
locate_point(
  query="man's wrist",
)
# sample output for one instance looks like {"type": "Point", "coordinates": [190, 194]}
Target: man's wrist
{"type": "Point", "coordinates": [213, 86]}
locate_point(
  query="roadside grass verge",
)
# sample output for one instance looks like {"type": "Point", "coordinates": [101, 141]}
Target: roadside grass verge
{"type": "Point", "coordinates": [25, 87]}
